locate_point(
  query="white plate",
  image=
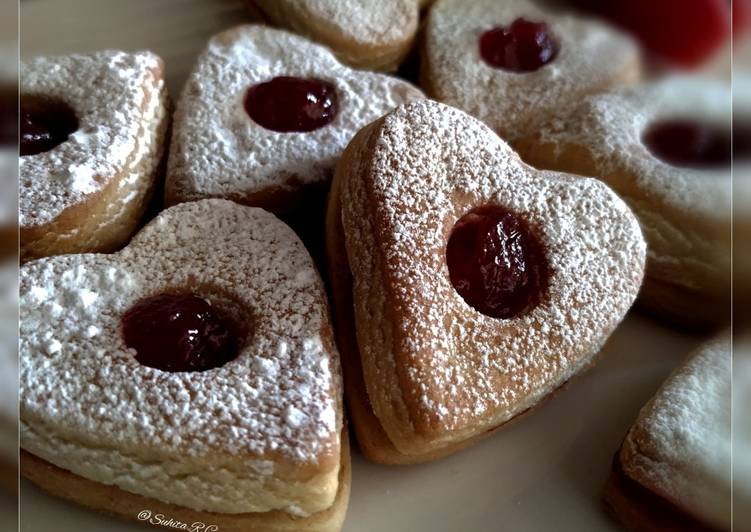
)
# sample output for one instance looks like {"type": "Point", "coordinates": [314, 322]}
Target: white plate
{"type": "Point", "coordinates": [543, 473]}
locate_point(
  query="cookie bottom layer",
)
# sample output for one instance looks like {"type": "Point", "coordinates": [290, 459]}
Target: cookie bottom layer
{"type": "Point", "coordinates": [642, 510]}
{"type": "Point", "coordinates": [119, 503]}
{"type": "Point", "coordinates": [680, 307]}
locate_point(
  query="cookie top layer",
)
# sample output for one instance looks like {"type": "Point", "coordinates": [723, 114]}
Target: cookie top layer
{"type": "Point", "coordinates": [611, 126]}
{"type": "Point", "coordinates": [362, 21]}
{"type": "Point", "coordinates": [113, 94]}
{"type": "Point", "coordinates": [741, 426]}
{"type": "Point", "coordinates": [277, 404]}
{"type": "Point", "coordinates": [592, 56]}
{"type": "Point", "coordinates": [219, 151]}
{"type": "Point", "coordinates": [364, 34]}
{"type": "Point", "coordinates": [679, 446]}
{"type": "Point", "coordinates": [450, 369]}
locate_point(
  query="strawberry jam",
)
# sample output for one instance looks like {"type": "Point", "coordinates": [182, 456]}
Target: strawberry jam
{"type": "Point", "coordinates": [690, 144]}
{"type": "Point", "coordinates": [523, 46]}
{"type": "Point", "coordinates": [44, 124]}
{"type": "Point", "coordinates": [288, 104]}
{"type": "Point", "coordinates": [495, 262]}
{"type": "Point", "coordinates": [741, 142]}
{"type": "Point", "coordinates": [179, 332]}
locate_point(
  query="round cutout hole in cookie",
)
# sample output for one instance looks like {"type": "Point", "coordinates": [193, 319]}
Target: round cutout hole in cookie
{"type": "Point", "coordinates": [496, 263]}
{"type": "Point", "coordinates": [292, 105]}
{"type": "Point", "coordinates": [741, 142]}
{"type": "Point", "coordinates": [44, 123]}
{"type": "Point", "coordinates": [689, 143]}
{"type": "Point", "coordinates": [522, 46]}
{"type": "Point", "coordinates": [186, 331]}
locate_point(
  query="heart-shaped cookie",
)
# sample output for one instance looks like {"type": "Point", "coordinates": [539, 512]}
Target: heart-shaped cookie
{"type": "Point", "coordinates": [364, 34]}
{"type": "Point", "coordinates": [265, 116]}
{"type": "Point", "coordinates": [92, 134]}
{"type": "Point", "coordinates": [237, 422]}
{"type": "Point", "coordinates": [476, 285]}
{"type": "Point", "coordinates": [512, 63]}
{"type": "Point", "coordinates": [674, 469]}
{"type": "Point", "coordinates": [669, 158]}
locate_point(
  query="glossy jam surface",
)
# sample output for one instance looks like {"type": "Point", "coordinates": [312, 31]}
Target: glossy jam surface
{"type": "Point", "coordinates": [44, 124]}
{"type": "Point", "coordinates": [523, 46]}
{"type": "Point", "coordinates": [689, 144]}
{"type": "Point", "coordinates": [495, 263]}
{"type": "Point", "coordinates": [741, 142]}
{"type": "Point", "coordinates": [179, 332]}
{"type": "Point", "coordinates": [288, 104]}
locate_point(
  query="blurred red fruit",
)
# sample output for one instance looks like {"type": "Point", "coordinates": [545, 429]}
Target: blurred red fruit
{"type": "Point", "coordinates": [741, 17]}
{"type": "Point", "coordinates": [681, 32]}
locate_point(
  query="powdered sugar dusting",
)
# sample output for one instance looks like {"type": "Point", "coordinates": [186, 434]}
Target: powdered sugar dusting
{"type": "Point", "coordinates": [611, 126]}
{"type": "Point", "coordinates": [741, 427]}
{"type": "Point", "coordinates": [108, 91]}
{"type": "Point", "coordinates": [217, 150]}
{"type": "Point", "coordinates": [279, 400]}
{"type": "Point", "coordinates": [361, 21]}
{"type": "Point", "coordinates": [592, 56]}
{"type": "Point", "coordinates": [679, 446]}
{"type": "Point", "coordinates": [684, 212]}
{"type": "Point", "coordinates": [459, 372]}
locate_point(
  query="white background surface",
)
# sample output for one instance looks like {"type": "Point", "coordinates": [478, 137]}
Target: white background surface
{"type": "Point", "coordinates": [544, 473]}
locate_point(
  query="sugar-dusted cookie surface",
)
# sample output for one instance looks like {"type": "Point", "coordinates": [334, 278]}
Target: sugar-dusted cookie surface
{"type": "Point", "coordinates": [436, 372]}
{"type": "Point", "coordinates": [364, 34]}
{"type": "Point", "coordinates": [101, 119]}
{"type": "Point", "coordinates": [258, 433]}
{"type": "Point", "coordinates": [512, 63]}
{"type": "Point", "coordinates": [665, 148]}
{"type": "Point", "coordinates": [741, 437]}
{"type": "Point", "coordinates": [218, 150]}
{"type": "Point", "coordinates": [679, 449]}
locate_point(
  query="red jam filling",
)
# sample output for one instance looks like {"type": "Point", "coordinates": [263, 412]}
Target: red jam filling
{"type": "Point", "coordinates": [523, 46]}
{"type": "Point", "coordinates": [495, 262]}
{"type": "Point", "coordinates": [44, 124]}
{"type": "Point", "coordinates": [288, 104]}
{"type": "Point", "coordinates": [689, 144]}
{"type": "Point", "coordinates": [179, 332]}
{"type": "Point", "coordinates": [741, 142]}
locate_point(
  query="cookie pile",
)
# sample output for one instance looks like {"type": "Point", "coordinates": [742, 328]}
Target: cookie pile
{"type": "Point", "coordinates": [481, 237]}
